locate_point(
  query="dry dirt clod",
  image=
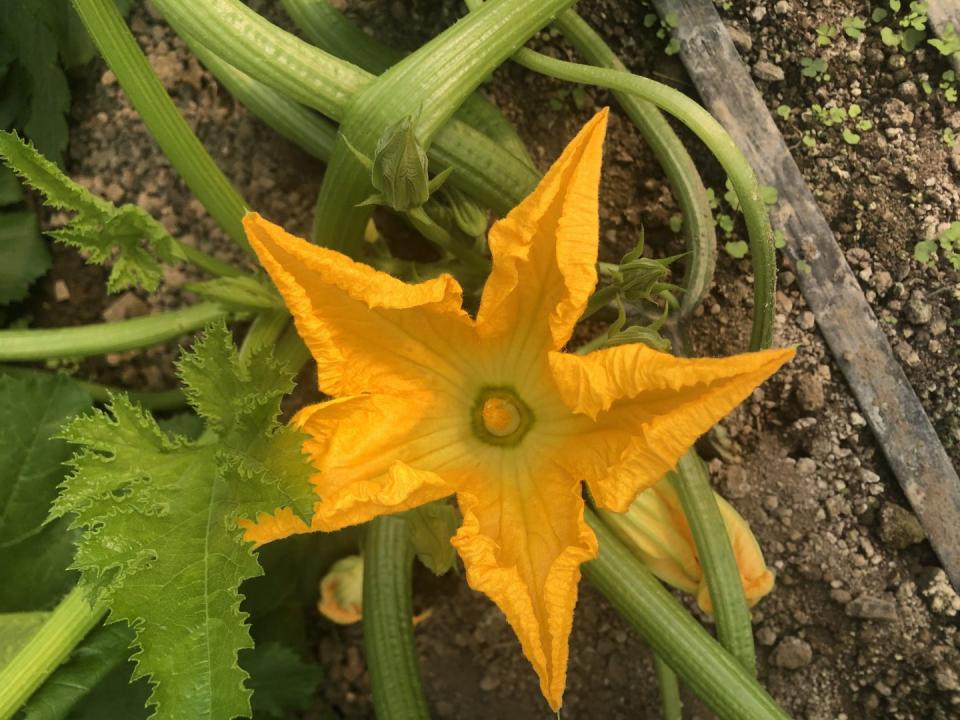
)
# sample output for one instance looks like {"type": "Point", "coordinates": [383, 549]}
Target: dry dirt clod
{"type": "Point", "coordinates": [899, 528]}
{"type": "Point", "coordinates": [792, 653]}
{"type": "Point", "coordinates": [810, 395]}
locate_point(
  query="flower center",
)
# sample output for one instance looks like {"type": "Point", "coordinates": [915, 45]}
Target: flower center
{"type": "Point", "coordinates": [500, 417]}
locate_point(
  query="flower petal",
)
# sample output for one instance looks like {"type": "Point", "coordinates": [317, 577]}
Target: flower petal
{"type": "Point", "coordinates": [545, 251]}
{"type": "Point", "coordinates": [375, 454]}
{"type": "Point", "coordinates": [643, 409]}
{"type": "Point", "coordinates": [267, 528]}
{"type": "Point", "coordinates": [522, 541]}
{"type": "Point", "coordinates": [368, 331]}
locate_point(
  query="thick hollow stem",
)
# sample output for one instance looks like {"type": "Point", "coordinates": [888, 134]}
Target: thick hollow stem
{"type": "Point", "coordinates": [428, 85]}
{"type": "Point", "coordinates": [265, 329]}
{"type": "Point", "coordinates": [713, 674]}
{"type": "Point", "coordinates": [209, 263]}
{"type": "Point", "coordinates": [669, 690]}
{"type": "Point", "coordinates": [119, 48]}
{"type": "Point", "coordinates": [327, 28]}
{"type": "Point", "coordinates": [734, 629]}
{"type": "Point", "coordinates": [86, 340]}
{"type": "Point", "coordinates": [52, 644]}
{"type": "Point", "coordinates": [312, 132]}
{"type": "Point", "coordinates": [388, 622]}
{"type": "Point", "coordinates": [318, 80]}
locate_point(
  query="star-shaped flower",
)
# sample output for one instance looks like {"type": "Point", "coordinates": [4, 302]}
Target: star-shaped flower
{"type": "Point", "coordinates": [430, 402]}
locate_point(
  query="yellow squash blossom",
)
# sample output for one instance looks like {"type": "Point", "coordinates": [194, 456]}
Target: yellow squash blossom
{"type": "Point", "coordinates": [430, 402]}
{"type": "Point", "coordinates": [341, 591]}
{"type": "Point", "coordinates": [656, 530]}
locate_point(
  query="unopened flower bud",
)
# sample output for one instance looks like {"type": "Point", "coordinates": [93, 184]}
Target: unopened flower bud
{"type": "Point", "coordinates": [656, 531]}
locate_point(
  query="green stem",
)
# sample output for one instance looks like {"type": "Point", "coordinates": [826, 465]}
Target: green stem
{"type": "Point", "coordinates": [483, 170]}
{"type": "Point", "coordinates": [156, 401]}
{"type": "Point", "coordinates": [264, 330]}
{"type": "Point", "coordinates": [327, 28]}
{"type": "Point", "coordinates": [429, 85]}
{"type": "Point", "coordinates": [734, 629]}
{"type": "Point", "coordinates": [388, 622]}
{"type": "Point", "coordinates": [313, 133]}
{"type": "Point", "coordinates": [86, 340]}
{"type": "Point", "coordinates": [119, 48]}
{"type": "Point", "coordinates": [291, 350]}
{"type": "Point", "coordinates": [318, 80]}
{"type": "Point", "coordinates": [699, 229]}
{"type": "Point", "coordinates": [212, 265]}
{"type": "Point", "coordinates": [425, 225]}
{"type": "Point", "coordinates": [52, 644]}
{"type": "Point", "coordinates": [262, 50]}
{"type": "Point", "coordinates": [703, 665]}
{"type": "Point", "coordinates": [669, 690]}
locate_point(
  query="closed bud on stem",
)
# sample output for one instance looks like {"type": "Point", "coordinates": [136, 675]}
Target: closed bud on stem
{"type": "Point", "coordinates": [400, 167]}
{"type": "Point", "coordinates": [656, 531]}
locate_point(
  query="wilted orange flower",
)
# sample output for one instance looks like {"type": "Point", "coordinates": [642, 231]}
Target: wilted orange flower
{"type": "Point", "coordinates": [430, 402]}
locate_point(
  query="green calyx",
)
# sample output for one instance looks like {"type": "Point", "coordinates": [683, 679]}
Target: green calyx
{"type": "Point", "coordinates": [500, 417]}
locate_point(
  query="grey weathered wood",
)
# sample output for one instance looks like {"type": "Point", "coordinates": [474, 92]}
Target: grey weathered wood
{"type": "Point", "coordinates": [943, 13]}
{"type": "Point", "coordinates": [844, 317]}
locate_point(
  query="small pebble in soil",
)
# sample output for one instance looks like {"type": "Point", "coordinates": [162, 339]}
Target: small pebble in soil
{"type": "Point", "coordinates": [766, 636]}
{"type": "Point", "coordinates": [127, 305]}
{"type": "Point", "coordinates": [741, 39]}
{"type": "Point", "coordinates": [792, 653]}
{"type": "Point", "coordinates": [918, 310]}
{"type": "Point", "coordinates": [60, 291]}
{"type": "Point", "coordinates": [768, 72]}
{"type": "Point", "coordinates": [870, 607]}
{"type": "Point", "coordinates": [899, 528]}
{"type": "Point", "coordinates": [806, 466]}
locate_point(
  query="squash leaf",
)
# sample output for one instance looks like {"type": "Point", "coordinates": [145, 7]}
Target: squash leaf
{"type": "Point", "coordinates": [35, 553]}
{"type": "Point", "coordinates": [159, 515]}
{"type": "Point", "coordinates": [127, 237]}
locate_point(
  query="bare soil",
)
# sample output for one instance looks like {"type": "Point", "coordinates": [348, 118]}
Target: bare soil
{"type": "Point", "coordinates": [863, 623]}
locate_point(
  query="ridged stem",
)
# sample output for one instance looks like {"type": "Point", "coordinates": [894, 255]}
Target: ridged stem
{"type": "Point", "coordinates": [388, 622]}
{"type": "Point", "coordinates": [85, 340]}
{"type": "Point", "coordinates": [669, 690]}
{"type": "Point", "coordinates": [157, 401]}
{"type": "Point", "coordinates": [318, 80]}
{"type": "Point", "coordinates": [714, 675]}
{"type": "Point", "coordinates": [429, 85]}
{"type": "Point", "coordinates": [730, 611]}
{"type": "Point", "coordinates": [309, 130]}
{"type": "Point", "coordinates": [46, 650]}
{"type": "Point", "coordinates": [119, 48]}
{"type": "Point", "coordinates": [327, 28]}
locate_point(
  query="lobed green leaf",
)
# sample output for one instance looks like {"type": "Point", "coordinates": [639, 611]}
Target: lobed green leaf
{"type": "Point", "coordinates": [127, 236]}
{"type": "Point", "coordinates": [35, 553]}
{"type": "Point", "coordinates": [160, 520]}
